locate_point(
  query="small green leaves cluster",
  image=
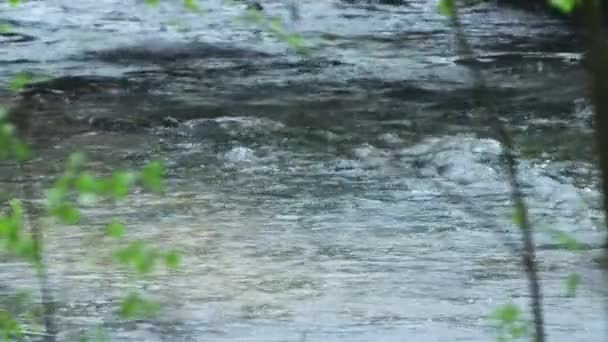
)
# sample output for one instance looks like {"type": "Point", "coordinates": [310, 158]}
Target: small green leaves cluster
{"type": "Point", "coordinates": [191, 5]}
{"type": "Point", "coordinates": [9, 327]}
{"type": "Point", "coordinates": [10, 146]}
{"type": "Point", "coordinates": [511, 327]}
{"type": "Point", "coordinates": [142, 257]}
{"type": "Point", "coordinates": [565, 6]}
{"type": "Point", "coordinates": [77, 185]}
{"type": "Point", "coordinates": [83, 187]}
{"type": "Point", "coordinates": [563, 239]}
{"type": "Point", "coordinates": [275, 26]}
{"type": "Point", "coordinates": [446, 7]}
{"type": "Point", "coordinates": [572, 282]}
{"type": "Point", "coordinates": [22, 309]}
{"type": "Point", "coordinates": [137, 306]}
{"type": "Point", "coordinates": [19, 81]}
{"type": "Point", "coordinates": [12, 237]}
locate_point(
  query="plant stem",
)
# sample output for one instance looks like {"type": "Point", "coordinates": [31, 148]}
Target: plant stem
{"type": "Point", "coordinates": [528, 254]}
{"type": "Point", "coordinates": [27, 193]}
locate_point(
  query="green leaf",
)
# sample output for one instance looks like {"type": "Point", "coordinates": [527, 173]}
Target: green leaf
{"type": "Point", "coordinates": [9, 327]}
{"type": "Point", "coordinates": [19, 81]}
{"type": "Point", "coordinates": [139, 256]}
{"type": "Point", "coordinates": [98, 335]}
{"type": "Point", "coordinates": [75, 161]}
{"type": "Point", "coordinates": [55, 196]}
{"type": "Point", "coordinates": [446, 7]}
{"type": "Point", "coordinates": [128, 253]}
{"type": "Point", "coordinates": [20, 150]}
{"type": "Point", "coordinates": [26, 249]}
{"type": "Point", "coordinates": [86, 183]}
{"type": "Point", "coordinates": [296, 42]}
{"type": "Point", "coordinates": [518, 331]}
{"type": "Point", "coordinates": [172, 259]}
{"type": "Point", "coordinates": [506, 314]}
{"type": "Point", "coordinates": [572, 282]}
{"type": "Point", "coordinates": [135, 306]}
{"type": "Point", "coordinates": [152, 176]}
{"type": "Point", "coordinates": [119, 185]}
{"type": "Point", "coordinates": [191, 5]}
{"type": "Point", "coordinates": [7, 130]}
{"type": "Point", "coordinates": [66, 213]}
{"type": "Point", "coordinates": [565, 6]}
{"type": "Point", "coordinates": [519, 214]}
{"type": "Point", "coordinates": [5, 28]}
{"type": "Point", "coordinates": [275, 25]}
{"type": "Point", "coordinates": [14, 2]}
{"type": "Point", "coordinates": [115, 229]}
{"type": "Point", "coordinates": [152, 2]}
{"type": "Point", "coordinates": [567, 240]}
{"type": "Point", "coordinates": [16, 210]}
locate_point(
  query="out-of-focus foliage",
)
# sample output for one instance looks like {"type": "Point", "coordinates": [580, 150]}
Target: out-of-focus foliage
{"type": "Point", "coordinates": [10, 329]}
{"type": "Point", "coordinates": [446, 7]}
{"type": "Point", "coordinates": [76, 187]}
{"type": "Point", "coordinates": [12, 237]}
{"type": "Point", "coordinates": [98, 335]}
{"type": "Point", "coordinates": [572, 282]}
{"type": "Point", "coordinates": [255, 16]}
{"type": "Point", "coordinates": [511, 327]}
{"type": "Point", "coordinates": [276, 27]}
{"type": "Point", "coordinates": [10, 146]}
{"type": "Point", "coordinates": [136, 306]}
{"type": "Point", "coordinates": [566, 6]}
{"type": "Point", "coordinates": [19, 81]}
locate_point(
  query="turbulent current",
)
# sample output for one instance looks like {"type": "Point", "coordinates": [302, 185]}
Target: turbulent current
{"type": "Point", "coordinates": [352, 194]}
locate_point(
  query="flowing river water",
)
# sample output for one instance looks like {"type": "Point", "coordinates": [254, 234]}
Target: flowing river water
{"type": "Point", "coordinates": [347, 195]}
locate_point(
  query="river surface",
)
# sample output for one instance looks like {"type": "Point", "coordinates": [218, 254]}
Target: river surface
{"type": "Point", "coordinates": [347, 195]}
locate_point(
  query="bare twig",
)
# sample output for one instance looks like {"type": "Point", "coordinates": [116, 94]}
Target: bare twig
{"type": "Point", "coordinates": [27, 194]}
{"type": "Point", "coordinates": [528, 253]}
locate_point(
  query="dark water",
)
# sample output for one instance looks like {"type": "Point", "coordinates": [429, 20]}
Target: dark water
{"type": "Point", "coordinates": [350, 195]}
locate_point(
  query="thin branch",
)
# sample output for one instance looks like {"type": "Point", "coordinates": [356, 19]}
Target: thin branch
{"type": "Point", "coordinates": [528, 253]}
{"type": "Point", "coordinates": [27, 194]}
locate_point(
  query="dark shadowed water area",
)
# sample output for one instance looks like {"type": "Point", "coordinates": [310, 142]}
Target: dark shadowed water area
{"type": "Point", "coordinates": [347, 195]}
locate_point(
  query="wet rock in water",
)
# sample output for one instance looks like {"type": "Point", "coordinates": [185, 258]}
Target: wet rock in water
{"type": "Point", "coordinates": [70, 86]}
{"type": "Point", "coordinates": [168, 52]}
{"type": "Point", "coordinates": [118, 125]}
{"type": "Point", "coordinates": [468, 161]}
{"type": "Point", "coordinates": [170, 121]}
{"type": "Point", "coordinates": [380, 2]}
{"type": "Point", "coordinates": [240, 154]}
{"type": "Point", "coordinates": [254, 5]}
{"type": "Point", "coordinates": [15, 37]}
{"type": "Point", "coordinates": [202, 129]}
